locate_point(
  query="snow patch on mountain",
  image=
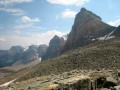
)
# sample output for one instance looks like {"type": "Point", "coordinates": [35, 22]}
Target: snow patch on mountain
{"type": "Point", "coordinates": [7, 83]}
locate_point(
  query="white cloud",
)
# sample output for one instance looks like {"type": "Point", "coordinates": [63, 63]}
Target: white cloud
{"type": "Point", "coordinates": [26, 22]}
{"type": "Point", "coordinates": [36, 38]}
{"type": "Point", "coordinates": [5, 5]}
{"type": "Point", "coordinates": [13, 11]}
{"type": "Point", "coordinates": [27, 26]}
{"type": "Point", "coordinates": [27, 19]}
{"type": "Point", "coordinates": [68, 14]}
{"type": "Point", "coordinates": [115, 23]}
{"type": "Point", "coordinates": [68, 2]}
{"type": "Point", "coordinates": [2, 39]}
{"type": "Point", "coordinates": [10, 2]}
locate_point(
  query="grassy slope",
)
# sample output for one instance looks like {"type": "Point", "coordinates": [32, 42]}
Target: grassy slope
{"type": "Point", "coordinates": [10, 72]}
{"type": "Point", "coordinates": [5, 72]}
{"type": "Point", "coordinates": [104, 54]}
{"type": "Point", "coordinates": [20, 66]}
{"type": "Point", "coordinates": [17, 73]}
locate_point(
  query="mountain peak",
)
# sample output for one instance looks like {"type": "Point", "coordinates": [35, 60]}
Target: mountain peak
{"type": "Point", "coordinates": [83, 9]}
{"type": "Point", "coordinates": [55, 45]}
{"type": "Point", "coordinates": [54, 39]}
{"type": "Point", "coordinates": [87, 26]}
{"type": "Point", "coordinates": [56, 36]}
{"type": "Point", "coordinates": [86, 13]}
{"type": "Point", "coordinates": [85, 16]}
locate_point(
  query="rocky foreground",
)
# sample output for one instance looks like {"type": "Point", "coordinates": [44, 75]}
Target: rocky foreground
{"type": "Point", "coordinates": [73, 80]}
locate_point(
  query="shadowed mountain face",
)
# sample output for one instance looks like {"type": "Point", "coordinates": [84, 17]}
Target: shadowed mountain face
{"type": "Point", "coordinates": [116, 32]}
{"type": "Point", "coordinates": [8, 57]}
{"type": "Point", "coordinates": [18, 55]}
{"type": "Point", "coordinates": [42, 50]}
{"type": "Point", "coordinates": [30, 54]}
{"type": "Point", "coordinates": [87, 27]}
{"type": "Point", "coordinates": [54, 48]}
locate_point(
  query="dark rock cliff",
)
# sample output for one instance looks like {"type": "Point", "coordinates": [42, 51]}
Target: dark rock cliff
{"type": "Point", "coordinates": [87, 26]}
{"type": "Point", "coordinates": [54, 48]}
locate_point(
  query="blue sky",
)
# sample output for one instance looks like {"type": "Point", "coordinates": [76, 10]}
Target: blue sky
{"type": "Point", "coordinates": [26, 22]}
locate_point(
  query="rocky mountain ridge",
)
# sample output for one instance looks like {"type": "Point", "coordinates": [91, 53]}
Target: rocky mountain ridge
{"type": "Point", "coordinates": [18, 55]}
{"type": "Point", "coordinates": [87, 27]}
{"type": "Point", "coordinates": [55, 45]}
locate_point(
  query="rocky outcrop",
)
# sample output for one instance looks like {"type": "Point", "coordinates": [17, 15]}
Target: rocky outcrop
{"type": "Point", "coordinates": [87, 28]}
{"type": "Point", "coordinates": [94, 81]}
{"type": "Point", "coordinates": [72, 80]}
{"type": "Point", "coordinates": [54, 48]}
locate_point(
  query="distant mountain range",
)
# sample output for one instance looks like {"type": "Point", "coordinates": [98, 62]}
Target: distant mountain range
{"type": "Point", "coordinates": [18, 55]}
{"type": "Point", "coordinates": [87, 28]}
